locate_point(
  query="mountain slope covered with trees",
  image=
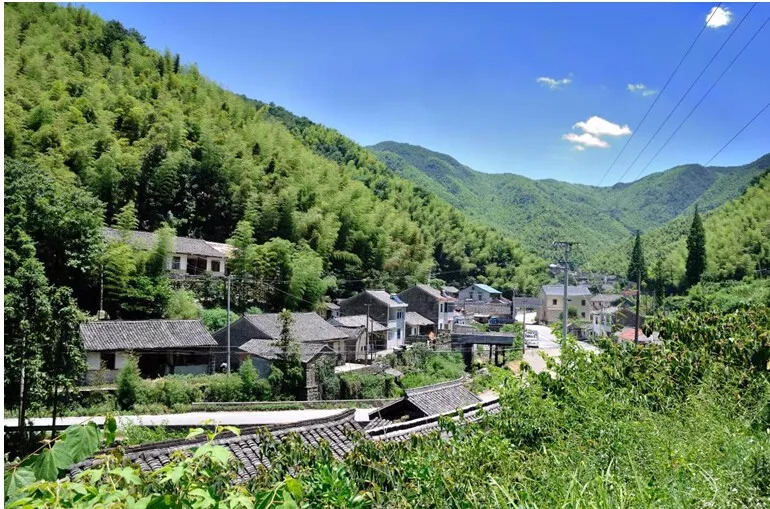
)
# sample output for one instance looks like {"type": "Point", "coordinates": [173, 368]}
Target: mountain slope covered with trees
{"type": "Point", "coordinates": [540, 211]}
{"type": "Point", "coordinates": [88, 103]}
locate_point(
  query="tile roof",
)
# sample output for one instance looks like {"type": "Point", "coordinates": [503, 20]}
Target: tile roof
{"type": "Point", "coordinates": [144, 335]}
{"type": "Point", "coordinates": [572, 291]}
{"type": "Point", "coordinates": [441, 397]}
{"type": "Point", "coordinates": [606, 297]}
{"type": "Point", "coordinates": [414, 318]}
{"type": "Point", "coordinates": [386, 298]}
{"type": "Point", "coordinates": [450, 289]}
{"type": "Point", "coordinates": [182, 245]}
{"type": "Point", "coordinates": [357, 321]}
{"type": "Point", "coordinates": [269, 349]}
{"type": "Point", "coordinates": [305, 327]}
{"type": "Point", "coordinates": [436, 294]}
{"type": "Point", "coordinates": [253, 453]}
{"type": "Point", "coordinates": [248, 448]}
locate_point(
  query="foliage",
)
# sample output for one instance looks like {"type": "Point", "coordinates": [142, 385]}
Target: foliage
{"type": "Point", "coordinates": [253, 387]}
{"type": "Point", "coordinates": [169, 391]}
{"type": "Point", "coordinates": [328, 381]}
{"type": "Point", "coordinates": [696, 252]}
{"type": "Point", "coordinates": [128, 384]}
{"type": "Point", "coordinates": [182, 305]}
{"type": "Point", "coordinates": [438, 367]}
{"type": "Point", "coordinates": [133, 434]}
{"type": "Point", "coordinates": [291, 381]}
{"type": "Point", "coordinates": [224, 387]}
{"type": "Point", "coordinates": [637, 269]}
{"type": "Point", "coordinates": [724, 297]}
{"type": "Point", "coordinates": [362, 385]}
{"type": "Point", "coordinates": [216, 318]}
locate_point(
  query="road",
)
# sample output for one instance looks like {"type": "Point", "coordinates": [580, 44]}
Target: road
{"type": "Point", "coordinates": [193, 419]}
{"type": "Point", "coordinates": [547, 343]}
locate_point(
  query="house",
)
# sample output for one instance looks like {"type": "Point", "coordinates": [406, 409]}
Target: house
{"type": "Point", "coordinates": [602, 320]}
{"type": "Point", "coordinates": [479, 292]}
{"type": "Point", "coordinates": [304, 328]}
{"type": "Point", "coordinates": [162, 347]}
{"type": "Point", "coordinates": [424, 401]}
{"type": "Point", "coordinates": [329, 310]}
{"type": "Point", "coordinates": [450, 291]}
{"type": "Point", "coordinates": [188, 256]}
{"type": "Point", "coordinates": [355, 328]}
{"type": "Point", "coordinates": [552, 301]}
{"type": "Point", "coordinates": [264, 352]}
{"type": "Point", "coordinates": [434, 305]}
{"type": "Point", "coordinates": [418, 325]}
{"type": "Point", "coordinates": [605, 300]}
{"type": "Point", "coordinates": [389, 310]}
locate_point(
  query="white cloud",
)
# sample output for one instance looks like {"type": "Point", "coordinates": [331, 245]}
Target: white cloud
{"type": "Point", "coordinates": [718, 17]}
{"type": "Point", "coordinates": [601, 127]}
{"type": "Point", "coordinates": [553, 83]}
{"type": "Point", "coordinates": [584, 140]}
{"type": "Point", "coordinates": [641, 88]}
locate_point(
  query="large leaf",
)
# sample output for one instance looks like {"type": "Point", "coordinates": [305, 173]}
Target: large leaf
{"type": "Point", "coordinates": [16, 479]}
{"type": "Point", "coordinates": [81, 441]}
{"type": "Point", "coordinates": [110, 430]}
{"type": "Point", "coordinates": [50, 461]}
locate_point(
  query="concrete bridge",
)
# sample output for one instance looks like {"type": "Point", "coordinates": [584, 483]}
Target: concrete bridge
{"type": "Point", "coordinates": [465, 341]}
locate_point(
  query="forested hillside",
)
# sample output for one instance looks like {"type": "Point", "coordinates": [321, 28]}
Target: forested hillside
{"type": "Point", "coordinates": [540, 211]}
{"type": "Point", "coordinates": [89, 104]}
{"type": "Point", "coordinates": [737, 241]}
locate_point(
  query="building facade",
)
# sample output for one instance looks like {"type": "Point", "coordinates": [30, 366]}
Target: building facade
{"type": "Point", "coordinates": [433, 304]}
{"type": "Point", "coordinates": [389, 310]}
{"type": "Point", "coordinates": [479, 292]}
{"type": "Point", "coordinates": [552, 302]}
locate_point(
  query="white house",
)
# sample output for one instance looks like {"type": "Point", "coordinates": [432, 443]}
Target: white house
{"type": "Point", "coordinates": [387, 309]}
{"type": "Point", "coordinates": [479, 292]}
{"type": "Point", "coordinates": [188, 256]}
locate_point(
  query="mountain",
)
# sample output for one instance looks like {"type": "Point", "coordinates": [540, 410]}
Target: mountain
{"type": "Point", "coordinates": [537, 212]}
{"type": "Point", "coordinates": [88, 103]}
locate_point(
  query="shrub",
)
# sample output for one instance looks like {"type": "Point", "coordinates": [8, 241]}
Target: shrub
{"type": "Point", "coordinates": [174, 391]}
{"type": "Point", "coordinates": [253, 387]}
{"type": "Point", "coordinates": [182, 305]}
{"type": "Point", "coordinates": [367, 386]}
{"type": "Point", "coordinates": [216, 318]}
{"type": "Point", "coordinates": [128, 384]}
{"type": "Point", "coordinates": [224, 387]}
{"type": "Point", "coordinates": [328, 381]}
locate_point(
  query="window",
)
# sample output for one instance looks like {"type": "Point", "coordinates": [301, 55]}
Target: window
{"type": "Point", "coordinates": [583, 302]}
{"type": "Point", "coordinates": [215, 265]}
{"type": "Point", "coordinates": [553, 302]}
{"type": "Point", "coordinates": [176, 262]}
{"type": "Point", "coordinates": [583, 314]}
{"type": "Point", "coordinates": [107, 359]}
{"type": "Point", "coordinates": [399, 316]}
{"type": "Point", "coordinates": [398, 334]}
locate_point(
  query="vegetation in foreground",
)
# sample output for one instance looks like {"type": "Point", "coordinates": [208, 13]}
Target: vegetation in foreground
{"type": "Point", "coordinates": [684, 424]}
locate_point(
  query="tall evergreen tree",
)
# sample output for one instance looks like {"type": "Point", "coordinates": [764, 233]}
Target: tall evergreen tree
{"type": "Point", "coordinates": [636, 266]}
{"type": "Point", "coordinates": [696, 251]}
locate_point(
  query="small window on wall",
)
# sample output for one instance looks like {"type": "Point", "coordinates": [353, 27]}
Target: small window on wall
{"type": "Point", "coordinates": [176, 262]}
{"type": "Point", "coordinates": [215, 264]}
{"type": "Point", "coordinates": [583, 314]}
{"type": "Point", "coordinates": [107, 360]}
{"type": "Point", "coordinates": [554, 302]}
{"type": "Point", "coordinates": [583, 302]}
{"type": "Point", "coordinates": [398, 334]}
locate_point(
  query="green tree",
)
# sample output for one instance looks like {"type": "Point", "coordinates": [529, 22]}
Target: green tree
{"type": "Point", "coordinates": [126, 220]}
{"type": "Point", "coordinates": [129, 384]}
{"type": "Point", "coordinates": [289, 362]}
{"type": "Point", "coordinates": [183, 306]}
{"type": "Point", "coordinates": [637, 269]}
{"type": "Point", "coordinates": [696, 251]}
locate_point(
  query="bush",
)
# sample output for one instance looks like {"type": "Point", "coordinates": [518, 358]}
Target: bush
{"type": "Point", "coordinates": [225, 387]}
{"type": "Point", "coordinates": [328, 381]}
{"type": "Point", "coordinates": [182, 305]}
{"type": "Point", "coordinates": [171, 391]}
{"type": "Point", "coordinates": [216, 318]}
{"type": "Point", "coordinates": [253, 388]}
{"type": "Point", "coordinates": [129, 384]}
{"type": "Point", "coordinates": [368, 386]}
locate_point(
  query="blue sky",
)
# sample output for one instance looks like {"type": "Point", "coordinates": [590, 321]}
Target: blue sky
{"type": "Point", "coordinates": [463, 79]}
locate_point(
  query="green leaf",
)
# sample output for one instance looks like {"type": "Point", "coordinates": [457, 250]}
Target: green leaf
{"type": "Point", "coordinates": [195, 432]}
{"type": "Point", "coordinates": [232, 429]}
{"type": "Point", "coordinates": [16, 479]}
{"type": "Point", "coordinates": [81, 442]}
{"type": "Point", "coordinates": [110, 430]}
{"type": "Point", "coordinates": [128, 474]}
{"type": "Point", "coordinates": [50, 461]}
{"type": "Point", "coordinates": [220, 454]}
{"type": "Point", "coordinates": [295, 487]}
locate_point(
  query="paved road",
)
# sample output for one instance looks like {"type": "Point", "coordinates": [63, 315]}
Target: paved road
{"type": "Point", "coordinates": [193, 419]}
{"type": "Point", "coordinates": [547, 343]}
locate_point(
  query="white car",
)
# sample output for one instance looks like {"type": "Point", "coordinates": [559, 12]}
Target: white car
{"type": "Point", "coordinates": [531, 339]}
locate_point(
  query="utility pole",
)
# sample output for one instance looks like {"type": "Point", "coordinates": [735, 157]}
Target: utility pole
{"type": "Point", "coordinates": [567, 245]}
{"type": "Point", "coordinates": [638, 294]}
{"type": "Point", "coordinates": [366, 358]}
{"type": "Point", "coordinates": [229, 278]}
{"type": "Point", "coordinates": [101, 293]}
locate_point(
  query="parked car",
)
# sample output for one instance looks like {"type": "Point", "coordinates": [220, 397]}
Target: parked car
{"type": "Point", "coordinates": [531, 339]}
{"type": "Point", "coordinates": [501, 320]}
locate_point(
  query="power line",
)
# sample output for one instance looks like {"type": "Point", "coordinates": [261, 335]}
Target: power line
{"type": "Point", "coordinates": [713, 57]}
{"type": "Point", "coordinates": [657, 97]}
{"type": "Point", "coordinates": [738, 133]}
{"type": "Point", "coordinates": [704, 97]}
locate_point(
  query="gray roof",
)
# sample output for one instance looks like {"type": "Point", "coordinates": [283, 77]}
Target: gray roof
{"type": "Point", "coordinates": [269, 349]}
{"type": "Point", "coordinates": [413, 318]}
{"type": "Point", "coordinates": [357, 321]}
{"type": "Point", "coordinates": [572, 291]}
{"type": "Point", "coordinates": [436, 294]}
{"type": "Point", "coordinates": [385, 298]}
{"type": "Point", "coordinates": [450, 289]}
{"type": "Point", "coordinates": [144, 335]}
{"type": "Point", "coordinates": [441, 397]}
{"type": "Point", "coordinates": [606, 297]}
{"type": "Point", "coordinates": [305, 327]}
{"type": "Point", "coordinates": [253, 453]}
{"type": "Point", "coordinates": [181, 245]}
{"type": "Point", "coordinates": [330, 305]}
